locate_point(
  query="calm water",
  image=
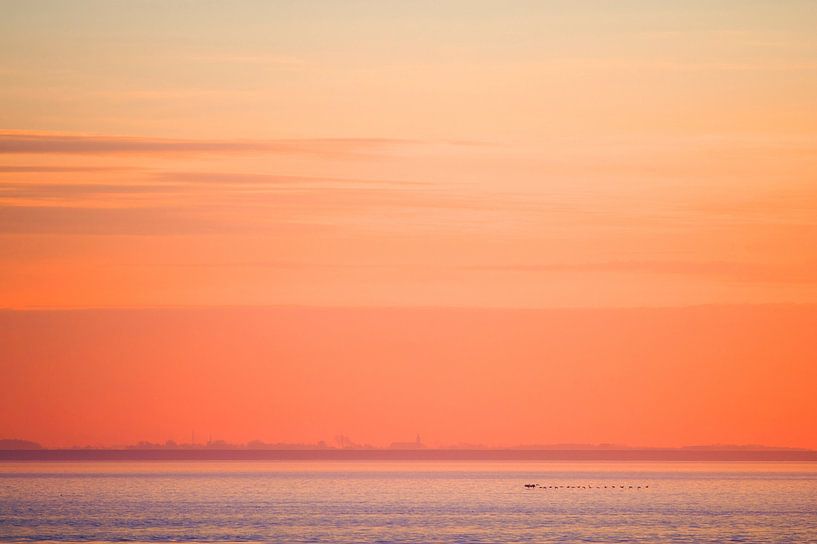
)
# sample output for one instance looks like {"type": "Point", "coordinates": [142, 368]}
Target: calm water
{"type": "Point", "coordinates": [408, 502]}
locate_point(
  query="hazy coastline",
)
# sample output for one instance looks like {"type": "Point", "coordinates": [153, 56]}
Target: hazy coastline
{"type": "Point", "coordinates": [680, 454]}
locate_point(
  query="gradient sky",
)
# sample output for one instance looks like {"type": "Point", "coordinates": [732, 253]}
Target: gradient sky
{"type": "Point", "coordinates": [572, 176]}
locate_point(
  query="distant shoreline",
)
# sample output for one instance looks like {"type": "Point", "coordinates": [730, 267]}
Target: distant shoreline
{"type": "Point", "coordinates": [403, 455]}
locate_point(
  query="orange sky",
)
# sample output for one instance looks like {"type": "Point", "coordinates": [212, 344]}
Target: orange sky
{"type": "Point", "coordinates": [574, 159]}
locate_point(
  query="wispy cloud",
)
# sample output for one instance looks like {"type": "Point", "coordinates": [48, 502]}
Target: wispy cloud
{"type": "Point", "coordinates": [293, 197]}
{"type": "Point", "coordinates": [35, 169]}
{"type": "Point", "coordinates": [240, 178]}
{"type": "Point", "coordinates": [801, 273]}
{"type": "Point", "coordinates": [729, 270]}
{"type": "Point", "coordinates": [73, 190]}
{"type": "Point", "coordinates": [106, 221]}
{"type": "Point", "coordinates": [227, 202]}
{"type": "Point", "coordinates": [300, 194]}
{"type": "Point", "coordinates": [25, 142]}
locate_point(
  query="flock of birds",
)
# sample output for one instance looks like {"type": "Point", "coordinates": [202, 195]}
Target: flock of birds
{"type": "Point", "coordinates": [535, 486]}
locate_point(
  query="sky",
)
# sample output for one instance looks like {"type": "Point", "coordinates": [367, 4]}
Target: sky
{"type": "Point", "coordinates": [209, 209]}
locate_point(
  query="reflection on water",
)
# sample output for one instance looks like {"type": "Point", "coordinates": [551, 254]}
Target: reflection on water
{"type": "Point", "coordinates": [408, 501]}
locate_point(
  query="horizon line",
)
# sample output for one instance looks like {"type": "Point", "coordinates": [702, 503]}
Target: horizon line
{"type": "Point", "coordinates": [393, 307]}
{"type": "Point", "coordinates": [430, 454]}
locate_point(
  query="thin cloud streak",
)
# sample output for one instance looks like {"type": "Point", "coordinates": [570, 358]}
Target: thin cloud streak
{"type": "Point", "coordinates": [229, 178]}
{"type": "Point", "coordinates": [307, 201]}
{"type": "Point", "coordinates": [69, 190]}
{"type": "Point", "coordinates": [206, 209]}
{"type": "Point", "coordinates": [33, 169]}
{"type": "Point", "coordinates": [106, 221]}
{"type": "Point", "coordinates": [720, 270]}
{"type": "Point", "coordinates": [24, 142]}
{"type": "Point", "coordinates": [736, 271]}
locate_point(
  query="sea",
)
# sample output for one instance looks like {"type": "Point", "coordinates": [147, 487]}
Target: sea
{"type": "Point", "coordinates": [408, 501]}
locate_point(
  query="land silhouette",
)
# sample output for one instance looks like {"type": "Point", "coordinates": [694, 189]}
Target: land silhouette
{"type": "Point", "coordinates": [16, 449]}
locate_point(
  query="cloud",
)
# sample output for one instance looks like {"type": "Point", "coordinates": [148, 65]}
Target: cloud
{"type": "Point", "coordinates": [719, 270]}
{"type": "Point", "coordinates": [73, 190]}
{"type": "Point", "coordinates": [33, 169]}
{"type": "Point", "coordinates": [275, 265]}
{"type": "Point", "coordinates": [236, 178]}
{"type": "Point", "coordinates": [141, 208]}
{"type": "Point", "coordinates": [104, 221]}
{"type": "Point", "coordinates": [291, 197]}
{"type": "Point", "coordinates": [256, 201]}
{"type": "Point", "coordinates": [26, 142]}
{"type": "Point", "coordinates": [736, 271]}
{"type": "Point", "coordinates": [229, 184]}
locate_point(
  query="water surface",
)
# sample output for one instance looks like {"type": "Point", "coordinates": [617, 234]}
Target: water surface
{"type": "Point", "coordinates": [382, 501]}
